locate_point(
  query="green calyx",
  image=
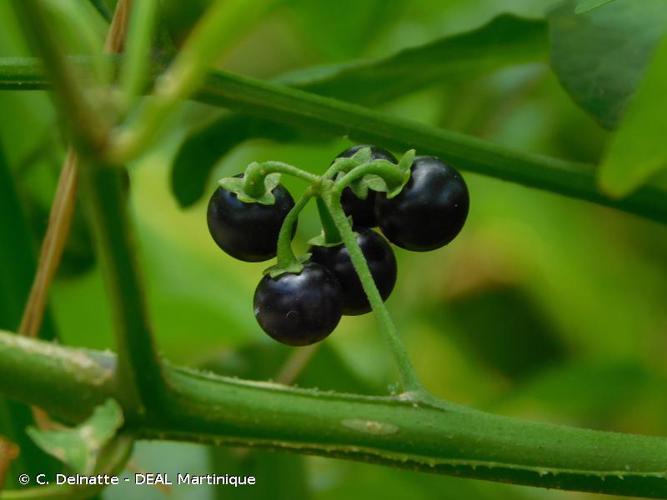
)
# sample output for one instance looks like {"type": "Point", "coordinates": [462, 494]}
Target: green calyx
{"type": "Point", "coordinates": [295, 266]}
{"type": "Point", "coordinates": [239, 186]}
{"type": "Point", "coordinates": [377, 175]}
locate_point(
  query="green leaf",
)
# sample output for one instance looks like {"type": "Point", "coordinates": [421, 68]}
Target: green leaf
{"type": "Point", "coordinates": [588, 5]}
{"type": "Point", "coordinates": [200, 152]}
{"type": "Point", "coordinates": [601, 54]}
{"type": "Point", "coordinates": [79, 447]}
{"type": "Point", "coordinates": [639, 149]}
{"type": "Point", "coordinates": [505, 40]}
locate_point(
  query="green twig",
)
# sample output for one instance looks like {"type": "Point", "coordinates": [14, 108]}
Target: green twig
{"type": "Point", "coordinates": [215, 34]}
{"type": "Point", "coordinates": [409, 381]}
{"type": "Point", "coordinates": [385, 430]}
{"type": "Point", "coordinates": [134, 72]}
{"type": "Point", "coordinates": [256, 172]}
{"type": "Point", "coordinates": [390, 173]}
{"type": "Point", "coordinates": [336, 118]}
{"type": "Point", "coordinates": [88, 129]}
{"type": "Point", "coordinates": [313, 112]}
{"type": "Point", "coordinates": [140, 371]}
{"type": "Point", "coordinates": [331, 234]}
{"type": "Point", "coordinates": [286, 258]}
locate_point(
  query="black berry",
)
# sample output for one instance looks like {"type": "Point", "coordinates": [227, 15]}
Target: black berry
{"type": "Point", "coordinates": [299, 308]}
{"type": "Point", "coordinates": [362, 211]}
{"type": "Point", "coordinates": [247, 231]}
{"type": "Point", "coordinates": [380, 259]}
{"type": "Point", "coordinates": [430, 210]}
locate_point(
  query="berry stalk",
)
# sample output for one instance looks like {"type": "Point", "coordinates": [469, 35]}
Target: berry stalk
{"type": "Point", "coordinates": [256, 173]}
{"type": "Point", "coordinates": [408, 377]}
{"type": "Point", "coordinates": [285, 255]}
{"type": "Point", "coordinates": [389, 172]}
{"type": "Point", "coordinates": [331, 234]}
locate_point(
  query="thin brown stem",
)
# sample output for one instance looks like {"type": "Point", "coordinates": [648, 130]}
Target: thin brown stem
{"type": "Point", "coordinates": [118, 28]}
{"type": "Point", "coordinates": [60, 220]}
{"type": "Point", "coordinates": [62, 209]}
{"type": "Point", "coordinates": [295, 364]}
{"type": "Point", "coordinates": [8, 452]}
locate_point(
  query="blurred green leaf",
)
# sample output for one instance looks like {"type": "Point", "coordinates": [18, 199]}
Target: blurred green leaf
{"type": "Point", "coordinates": [586, 5]}
{"type": "Point", "coordinates": [80, 446]}
{"type": "Point", "coordinates": [503, 41]}
{"type": "Point", "coordinates": [505, 330]}
{"type": "Point", "coordinates": [15, 280]}
{"type": "Point", "coordinates": [588, 394]}
{"type": "Point", "coordinates": [639, 149]}
{"type": "Point", "coordinates": [264, 360]}
{"type": "Point", "coordinates": [339, 37]}
{"type": "Point", "coordinates": [600, 55]}
{"type": "Point", "coordinates": [277, 474]}
{"type": "Point", "coordinates": [179, 17]}
{"type": "Point", "coordinates": [198, 155]}
{"type": "Point", "coordinates": [102, 9]}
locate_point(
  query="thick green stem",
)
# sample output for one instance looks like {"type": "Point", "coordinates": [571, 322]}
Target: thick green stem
{"type": "Point", "coordinates": [140, 371]}
{"type": "Point", "coordinates": [256, 173]}
{"type": "Point", "coordinates": [334, 117]}
{"type": "Point", "coordinates": [331, 234]}
{"type": "Point", "coordinates": [409, 381]}
{"type": "Point", "coordinates": [88, 129]}
{"type": "Point", "coordinates": [313, 112]}
{"type": "Point", "coordinates": [386, 430]}
{"type": "Point", "coordinates": [134, 73]}
{"type": "Point", "coordinates": [286, 258]}
{"type": "Point", "coordinates": [220, 27]}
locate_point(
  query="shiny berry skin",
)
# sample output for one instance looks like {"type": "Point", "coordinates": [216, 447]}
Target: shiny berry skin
{"type": "Point", "coordinates": [362, 211]}
{"type": "Point", "coordinates": [299, 309]}
{"type": "Point", "coordinates": [429, 211]}
{"type": "Point", "coordinates": [381, 261]}
{"type": "Point", "coordinates": [247, 231]}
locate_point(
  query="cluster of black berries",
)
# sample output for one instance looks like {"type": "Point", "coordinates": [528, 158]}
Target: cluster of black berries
{"type": "Point", "coordinates": [305, 307]}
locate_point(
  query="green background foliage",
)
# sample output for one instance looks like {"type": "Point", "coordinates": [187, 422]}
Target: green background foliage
{"type": "Point", "coordinates": [545, 307]}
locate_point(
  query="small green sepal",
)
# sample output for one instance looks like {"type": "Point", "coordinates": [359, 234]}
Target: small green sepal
{"type": "Point", "coordinates": [320, 241]}
{"type": "Point", "coordinates": [364, 155]}
{"type": "Point", "coordinates": [236, 186]}
{"type": "Point", "coordinates": [295, 267]}
{"type": "Point", "coordinates": [374, 182]}
{"type": "Point", "coordinates": [406, 161]}
{"type": "Point", "coordinates": [405, 165]}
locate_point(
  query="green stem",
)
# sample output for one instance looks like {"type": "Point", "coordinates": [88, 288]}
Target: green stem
{"type": "Point", "coordinates": [88, 130]}
{"type": "Point", "coordinates": [408, 377]}
{"type": "Point", "coordinates": [340, 165]}
{"type": "Point", "coordinates": [222, 24]}
{"type": "Point", "coordinates": [256, 173]}
{"type": "Point", "coordinates": [134, 70]}
{"type": "Point", "coordinates": [331, 234]}
{"type": "Point", "coordinates": [140, 371]}
{"type": "Point", "coordinates": [313, 112]}
{"type": "Point", "coordinates": [337, 118]}
{"type": "Point", "coordinates": [286, 258]}
{"type": "Point", "coordinates": [390, 173]}
{"type": "Point", "coordinates": [386, 430]}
